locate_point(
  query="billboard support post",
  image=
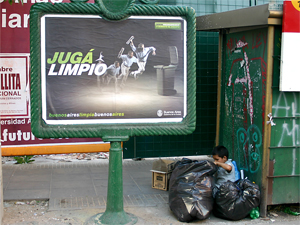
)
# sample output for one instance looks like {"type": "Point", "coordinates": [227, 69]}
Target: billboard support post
{"type": "Point", "coordinates": [114, 213]}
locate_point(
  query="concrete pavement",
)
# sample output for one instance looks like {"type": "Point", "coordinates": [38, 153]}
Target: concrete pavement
{"type": "Point", "coordinates": [76, 185]}
{"type": "Point", "coordinates": [83, 185]}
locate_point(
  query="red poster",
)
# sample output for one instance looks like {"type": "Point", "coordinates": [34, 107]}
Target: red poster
{"type": "Point", "coordinates": [15, 81]}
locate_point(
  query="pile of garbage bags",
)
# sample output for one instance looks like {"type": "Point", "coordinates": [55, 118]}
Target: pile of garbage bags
{"type": "Point", "coordinates": [190, 189]}
{"type": "Point", "coordinates": [193, 196]}
{"type": "Point", "coordinates": [235, 200]}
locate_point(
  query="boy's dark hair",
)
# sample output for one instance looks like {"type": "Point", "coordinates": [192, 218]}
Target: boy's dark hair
{"type": "Point", "coordinates": [221, 151]}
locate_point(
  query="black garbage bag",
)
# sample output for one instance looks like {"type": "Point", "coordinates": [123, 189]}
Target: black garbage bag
{"type": "Point", "coordinates": [234, 200]}
{"type": "Point", "coordinates": [190, 189]}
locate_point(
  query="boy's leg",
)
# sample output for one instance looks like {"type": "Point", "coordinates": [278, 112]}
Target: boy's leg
{"type": "Point", "coordinates": [142, 67]}
{"type": "Point", "coordinates": [116, 83]}
{"type": "Point", "coordinates": [139, 71]}
{"type": "Point", "coordinates": [108, 78]}
{"type": "Point", "coordinates": [125, 72]}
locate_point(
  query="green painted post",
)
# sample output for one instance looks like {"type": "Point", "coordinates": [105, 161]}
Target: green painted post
{"type": "Point", "coordinates": [114, 213]}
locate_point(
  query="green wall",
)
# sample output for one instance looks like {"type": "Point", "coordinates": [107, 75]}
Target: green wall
{"type": "Point", "coordinates": [202, 140]}
{"type": "Point", "coordinates": [285, 139]}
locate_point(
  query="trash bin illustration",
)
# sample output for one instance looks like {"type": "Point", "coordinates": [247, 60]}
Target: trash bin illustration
{"type": "Point", "coordinates": [166, 74]}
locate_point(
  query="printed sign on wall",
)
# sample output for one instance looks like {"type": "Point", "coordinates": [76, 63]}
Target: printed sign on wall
{"type": "Point", "coordinates": [14, 85]}
{"type": "Point", "coordinates": [99, 71]}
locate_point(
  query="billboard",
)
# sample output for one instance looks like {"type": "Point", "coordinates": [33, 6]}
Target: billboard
{"type": "Point", "coordinates": [77, 52]}
{"type": "Point", "coordinates": [103, 71]}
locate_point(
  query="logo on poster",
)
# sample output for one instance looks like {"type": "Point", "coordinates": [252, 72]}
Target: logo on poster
{"type": "Point", "coordinates": [75, 64]}
{"type": "Point", "coordinates": [159, 113]}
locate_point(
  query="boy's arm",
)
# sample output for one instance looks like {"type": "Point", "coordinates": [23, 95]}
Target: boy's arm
{"type": "Point", "coordinates": [121, 52]}
{"type": "Point", "coordinates": [153, 50]}
{"type": "Point", "coordinates": [225, 166]}
{"type": "Point", "coordinates": [133, 48]}
{"type": "Point", "coordinates": [123, 57]}
{"type": "Point", "coordinates": [109, 67]}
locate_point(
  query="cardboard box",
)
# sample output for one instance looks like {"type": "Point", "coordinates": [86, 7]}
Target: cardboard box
{"type": "Point", "coordinates": [161, 172]}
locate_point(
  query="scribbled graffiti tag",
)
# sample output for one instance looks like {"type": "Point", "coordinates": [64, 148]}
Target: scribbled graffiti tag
{"type": "Point", "coordinates": [287, 106]}
{"type": "Point", "coordinates": [249, 143]}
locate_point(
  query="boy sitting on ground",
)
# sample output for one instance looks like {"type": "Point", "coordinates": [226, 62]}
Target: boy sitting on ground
{"type": "Point", "coordinates": [226, 170]}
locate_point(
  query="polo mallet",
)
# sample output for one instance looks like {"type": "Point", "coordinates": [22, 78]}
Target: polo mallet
{"type": "Point", "coordinates": [121, 52]}
{"type": "Point", "coordinates": [129, 40]}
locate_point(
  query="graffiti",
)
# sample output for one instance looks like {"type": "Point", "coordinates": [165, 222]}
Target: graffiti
{"type": "Point", "coordinates": [246, 80]}
{"type": "Point", "coordinates": [291, 130]}
{"type": "Point", "coordinates": [287, 106]}
{"type": "Point", "coordinates": [256, 40]}
{"type": "Point", "coordinates": [245, 90]}
{"type": "Point", "coordinates": [249, 143]}
{"type": "Point", "coordinates": [249, 87]}
{"type": "Point", "coordinates": [231, 45]}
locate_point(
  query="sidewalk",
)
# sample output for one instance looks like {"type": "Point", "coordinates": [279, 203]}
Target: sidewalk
{"type": "Point", "coordinates": [77, 185]}
{"type": "Point", "coordinates": [82, 186]}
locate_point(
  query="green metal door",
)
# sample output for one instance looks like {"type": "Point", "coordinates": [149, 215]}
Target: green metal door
{"type": "Point", "coordinates": [243, 86]}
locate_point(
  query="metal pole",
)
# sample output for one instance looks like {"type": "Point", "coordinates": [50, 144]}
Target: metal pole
{"type": "Point", "coordinates": [114, 213]}
{"type": "Point", "coordinates": [267, 127]}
